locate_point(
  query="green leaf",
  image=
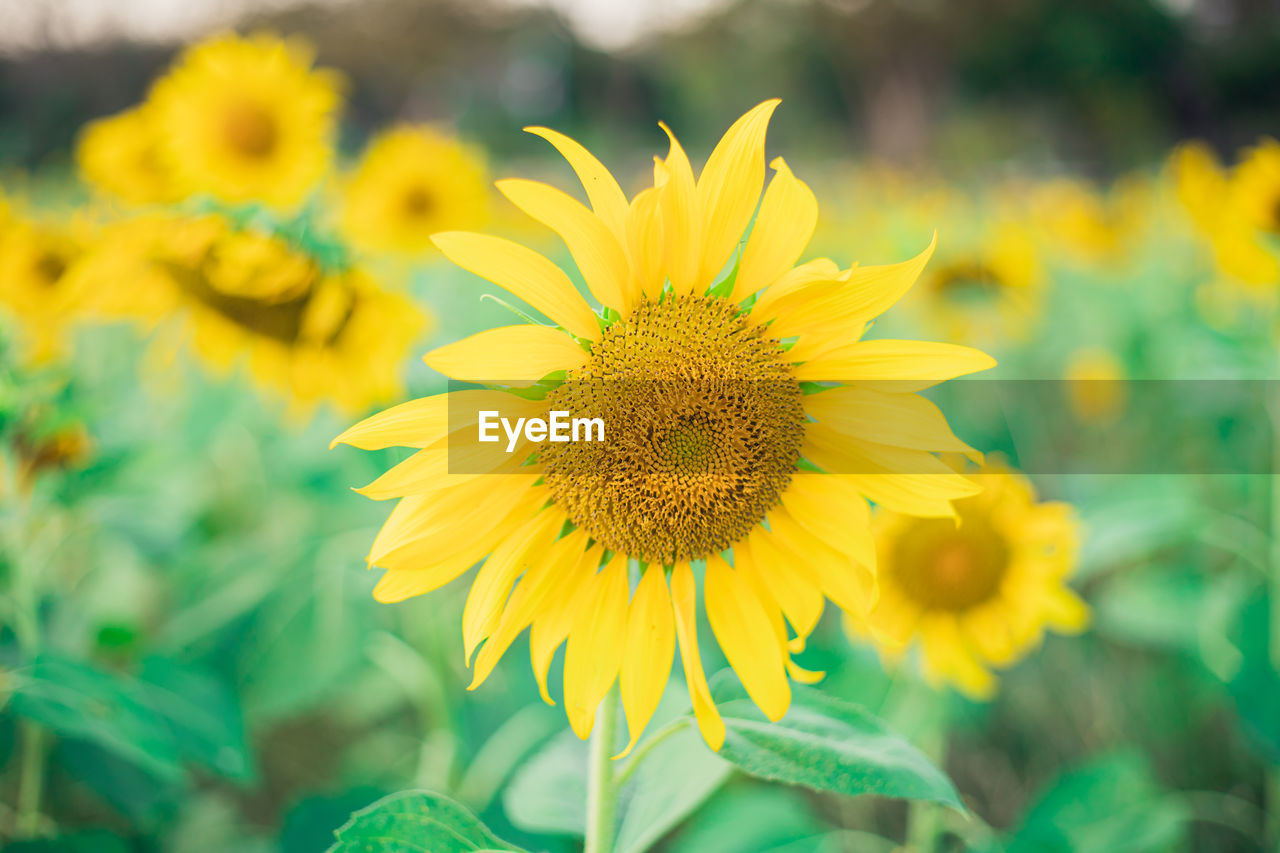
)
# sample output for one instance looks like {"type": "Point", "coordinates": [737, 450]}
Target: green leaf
{"type": "Point", "coordinates": [413, 821]}
{"type": "Point", "coordinates": [75, 700]}
{"type": "Point", "coordinates": [167, 715]}
{"type": "Point", "coordinates": [515, 739]}
{"type": "Point", "coordinates": [1255, 687]}
{"type": "Point", "coordinates": [90, 841]}
{"type": "Point", "coordinates": [203, 717]}
{"type": "Point", "coordinates": [826, 744]}
{"type": "Point", "coordinates": [1110, 804]}
{"type": "Point", "coordinates": [548, 794]}
{"type": "Point", "coordinates": [748, 815]}
{"type": "Point", "coordinates": [669, 783]}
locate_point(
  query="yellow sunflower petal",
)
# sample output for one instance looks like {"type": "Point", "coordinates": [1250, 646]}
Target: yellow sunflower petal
{"type": "Point", "coordinates": [1065, 611]}
{"type": "Point", "coordinates": [428, 471]}
{"type": "Point", "coordinates": [647, 654]}
{"type": "Point", "coordinates": [896, 420]}
{"type": "Point", "coordinates": [644, 242]}
{"type": "Point", "coordinates": [447, 519]}
{"type": "Point", "coordinates": [606, 197]}
{"type": "Point", "coordinates": [508, 353]}
{"type": "Point", "coordinates": [833, 508]}
{"type": "Point", "coordinates": [742, 627]}
{"type": "Point", "coordinates": [792, 285]}
{"type": "Point", "coordinates": [802, 675]}
{"type": "Point", "coordinates": [729, 188]}
{"type": "Point", "coordinates": [948, 658]}
{"type": "Point", "coordinates": [416, 423]}
{"type": "Point", "coordinates": [681, 219]}
{"type": "Point", "coordinates": [524, 273]}
{"type": "Point", "coordinates": [494, 580]}
{"type": "Point", "coordinates": [782, 229]}
{"type": "Point", "coordinates": [848, 583]}
{"type": "Point", "coordinates": [684, 604]}
{"type": "Point", "coordinates": [861, 295]}
{"type": "Point", "coordinates": [594, 651]}
{"type": "Point", "coordinates": [990, 634]}
{"type": "Point", "coordinates": [399, 584]}
{"type": "Point", "coordinates": [529, 600]}
{"type": "Point", "coordinates": [907, 481]}
{"type": "Point", "coordinates": [902, 365]}
{"type": "Point", "coordinates": [552, 626]}
{"type": "Point", "coordinates": [796, 592]}
{"type": "Point", "coordinates": [594, 247]}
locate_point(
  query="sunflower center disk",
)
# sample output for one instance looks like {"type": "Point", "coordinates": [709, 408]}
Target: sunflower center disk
{"type": "Point", "coordinates": [967, 282]}
{"type": "Point", "coordinates": [251, 130]}
{"type": "Point", "coordinates": [943, 567]}
{"type": "Point", "coordinates": [703, 426]}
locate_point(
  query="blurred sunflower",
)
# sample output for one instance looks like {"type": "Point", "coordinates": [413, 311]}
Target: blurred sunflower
{"type": "Point", "coordinates": [1086, 225]}
{"type": "Point", "coordinates": [412, 182]}
{"type": "Point", "coordinates": [310, 332]}
{"type": "Point", "coordinates": [1097, 391]}
{"type": "Point", "coordinates": [35, 258]}
{"type": "Point", "coordinates": [985, 289]}
{"type": "Point", "coordinates": [119, 155]}
{"type": "Point", "coordinates": [1232, 211]}
{"type": "Point", "coordinates": [247, 119]}
{"type": "Point", "coordinates": [721, 458]}
{"type": "Point", "coordinates": [977, 591]}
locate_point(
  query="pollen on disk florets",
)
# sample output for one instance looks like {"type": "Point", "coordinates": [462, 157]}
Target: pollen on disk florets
{"type": "Point", "coordinates": [703, 426]}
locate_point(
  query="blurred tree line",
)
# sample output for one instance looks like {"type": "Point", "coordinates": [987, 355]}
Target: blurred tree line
{"type": "Point", "coordinates": [1099, 85]}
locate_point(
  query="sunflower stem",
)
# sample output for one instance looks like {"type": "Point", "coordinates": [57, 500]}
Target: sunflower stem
{"type": "Point", "coordinates": [26, 629]}
{"type": "Point", "coordinates": [30, 781]}
{"type": "Point", "coordinates": [602, 787]}
{"type": "Point", "coordinates": [923, 818]}
{"type": "Point", "coordinates": [1272, 792]}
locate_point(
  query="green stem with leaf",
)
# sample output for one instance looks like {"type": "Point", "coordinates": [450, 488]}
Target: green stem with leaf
{"type": "Point", "coordinates": [602, 785]}
{"type": "Point", "coordinates": [26, 629]}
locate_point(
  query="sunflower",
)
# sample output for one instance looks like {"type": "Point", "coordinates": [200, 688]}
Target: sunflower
{"type": "Point", "coordinates": [412, 182]}
{"type": "Point", "coordinates": [977, 591]}
{"type": "Point", "coordinates": [1255, 187]}
{"type": "Point", "coordinates": [726, 477]}
{"type": "Point", "coordinates": [987, 288]}
{"type": "Point", "coordinates": [119, 155]}
{"type": "Point", "coordinates": [1233, 212]}
{"type": "Point", "coordinates": [1087, 225]}
{"type": "Point", "coordinates": [247, 119]}
{"type": "Point", "coordinates": [35, 259]}
{"type": "Point", "coordinates": [311, 332]}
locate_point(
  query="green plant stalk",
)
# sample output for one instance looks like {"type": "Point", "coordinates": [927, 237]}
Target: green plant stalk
{"type": "Point", "coordinates": [924, 819]}
{"type": "Point", "coordinates": [1272, 792]}
{"type": "Point", "coordinates": [26, 629]}
{"type": "Point", "coordinates": [26, 822]}
{"type": "Point", "coordinates": [602, 787]}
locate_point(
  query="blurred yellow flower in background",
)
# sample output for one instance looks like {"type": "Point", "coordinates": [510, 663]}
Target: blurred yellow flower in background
{"type": "Point", "coordinates": [120, 155]}
{"type": "Point", "coordinates": [716, 425]}
{"type": "Point", "coordinates": [412, 182]}
{"type": "Point", "coordinates": [241, 295]}
{"type": "Point", "coordinates": [1087, 225]}
{"type": "Point", "coordinates": [35, 259]}
{"type": "Point", "coordinates": [247, 119]}
{"type": "Point", "coordinates": [1096, 391]}
{"type": "Point", "coordinates": [985, 289]}
{"type": "Point", "coordinates": [1235, 213]}
{"type": "Point", "coordinates": [978, 591]}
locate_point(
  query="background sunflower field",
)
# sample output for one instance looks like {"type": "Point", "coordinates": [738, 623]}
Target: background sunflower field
{"type": "Point", "coordinates": [216, 255]}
